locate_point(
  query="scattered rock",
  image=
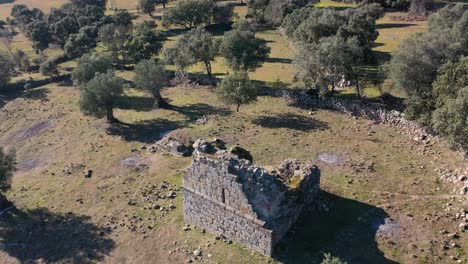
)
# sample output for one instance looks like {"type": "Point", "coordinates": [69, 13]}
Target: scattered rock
{"type": "Point", "coordinates": [170, 145]}
{"type": "Point", "coordinates": [88, 173]}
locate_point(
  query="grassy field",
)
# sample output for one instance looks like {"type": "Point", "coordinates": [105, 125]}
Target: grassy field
{"type": "Point", "coordinates": [383, 201]}
{"type": "Point", "coordinates": [44, 5]}
{"type": "Point", "coordinates": [382, 175]}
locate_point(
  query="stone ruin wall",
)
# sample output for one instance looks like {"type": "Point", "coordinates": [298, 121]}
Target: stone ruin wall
{"type": "Point", "coordinates": [242, 202]}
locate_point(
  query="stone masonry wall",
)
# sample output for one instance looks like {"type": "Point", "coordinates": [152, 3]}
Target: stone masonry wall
{"type": "Point", "coordinates": [231, 197]}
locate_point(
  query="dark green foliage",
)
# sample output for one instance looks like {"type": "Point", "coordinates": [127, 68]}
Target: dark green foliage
{"type": "Point", "coordinates": [82, 3]}
{"type": "Point", "coordinates": [190, 13]}
{"type": "Point", "coordinates": [243, 51]}
{"type": "Point", "coordinates": [23, 15]}
{"type": "Point", "coordinates": [243, 25]}
{"type": "Point", "coordinates": [146, 6]}
{"type": "Point", "coordinates": [114, 39]}
{"type": "Point", "coordinates": [329, 259]}
{"type": "Point", "coordinates": [88, 65]}
{"type": "Point", "coordinates": [70, 18]}
{"type": "Point", "coordinates": [122, 18]}
{"type": "Point", "coordinates": [324, 64]}
{"type": "Point", "coordinates": [7, 166]}
{"type": "Point", "coordinates": [414, 66]}
{"type": "Point", "coordinates": [421, 7]}
{"type": "Point", "coordinates": [277, 10]}
{"type": "Point", "coordinates": [151, 76]}
{"type": "Point", "coordinates": [127, 45]}
{"type": "Point", "coordinates": [311, 24]}
{"type": "Point", "coordinates": [256, 10]}
{"type": "Point", "coordinates": [237, 89]}
{"type": "Point", "coordinates": [450, 118]}
{"type": "Point", "coordinates": [223, 12]}
{"type": "Point", "coordinates": [62, 30]}
{"type": "Point", "coordinates": [195, 46]}
{"type": "Point", "coordinates": [143, 43]}
{"type": "Point", "coordinates": [97, 97]}
{"type": "Point", "coordinates": [79, 44]}
{"type": "Point", "coordinates": [38, 32]}
{"type": "Point", "coordinates": [48, 68]}
{"type": "Point", "coordinates": [6, 66]}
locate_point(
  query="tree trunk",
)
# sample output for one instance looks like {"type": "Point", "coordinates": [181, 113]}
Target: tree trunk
{"type": "Point", "coordinates": [110, 115]}
{"type": "Point", "coordinates": [164, 5]}
{"type": "Point", "coordinates": [159, 102]}
{"type": "Point", "coordinates": [208, 69]}
{"type": "Point", "coordinates": [237, 109]}
{"type": "Point", "coordinates": [358, 89]}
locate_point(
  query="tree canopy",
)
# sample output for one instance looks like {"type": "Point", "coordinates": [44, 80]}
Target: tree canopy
{"type": "Point", "coordinates": [98, 96]}
{"type": "Point", "coordinates": [89, 65]}
{"type": "Point", "coordinates": [151, 76]}
{"type": "Point", "coordinates": [6, 66]}
{"type": "Point", "coordinates": [146, 6]}
{"type": "Point", "coordinates": [450, 118]}
{"type": "Point", "coordinates": [7, 166]}
{"type": "Point", "coordinates": [237, 89]}
{"type": "Point", "coordinates": [414, 66]}
{"type": "Point", "coordinates": [194, 13]}
{"type": "Point", "coordinates": [195, 46]}
{"type": "Point", "coordinates": [309, 25]}
{"type": "Point", "coordinates": [243, 50]}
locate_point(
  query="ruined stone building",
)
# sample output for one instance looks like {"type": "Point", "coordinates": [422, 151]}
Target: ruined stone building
{"type": "Point", "coordinates": [231, 197]}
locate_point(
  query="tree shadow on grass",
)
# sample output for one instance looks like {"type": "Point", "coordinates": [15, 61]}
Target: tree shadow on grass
{"type": "Point", "coordinates": [34, 94]}
{"type": "Point", "coordinates": [40, 234]}
{"type": "Point", "coordinates": [196, 111]}
{"type": "Point", "coordinates": [136, 103]}
{"type": "Point", "coordinates": [291, 121]}
{"type": "Point", "coordinates": [393, 25]}
{"type": "Point", "coordinates": [144, 131]}
{"type": "Point", "coordinates": [347, 231]}
{"type": "Point", "coordinates": [279, 60]}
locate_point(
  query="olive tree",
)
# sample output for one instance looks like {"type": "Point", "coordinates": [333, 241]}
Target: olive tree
{"type": "Point", "coordinates": [6, 66]}
{"type": "Point", "coordinates": [243, 50]}
{"type": "Point", "coordinates": [143, 43]}
{"type": "Point", "coordinates": [88, 66]}
{"type": "Point", "coordinates": [327, 62]}
{"type": "Point", "coordinates": [195, 46]}
{"type": "Point", "coordinates": [98, 96]}
{"type": "Point", "coordinates": [146, 6]}
{"type": "Point", "coordinates": [7, 166]}
{"type": "Point", "coordinates": [450, 118]}
{"type": "Point", "coordinates": [414, 66]}
{"type": "Point", "coordinates": [190, 13]}
{"type": "Point", "coordinates": [151, 77]}
{"type": "Point", "coordinates": [237, 89]}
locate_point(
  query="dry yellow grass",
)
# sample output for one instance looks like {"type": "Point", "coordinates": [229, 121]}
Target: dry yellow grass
{"type": "Point", "coordinates": [44, 5]}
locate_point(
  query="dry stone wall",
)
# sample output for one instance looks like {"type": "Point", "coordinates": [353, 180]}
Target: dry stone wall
{"type": "Point", "coordinates": [231, 197]}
